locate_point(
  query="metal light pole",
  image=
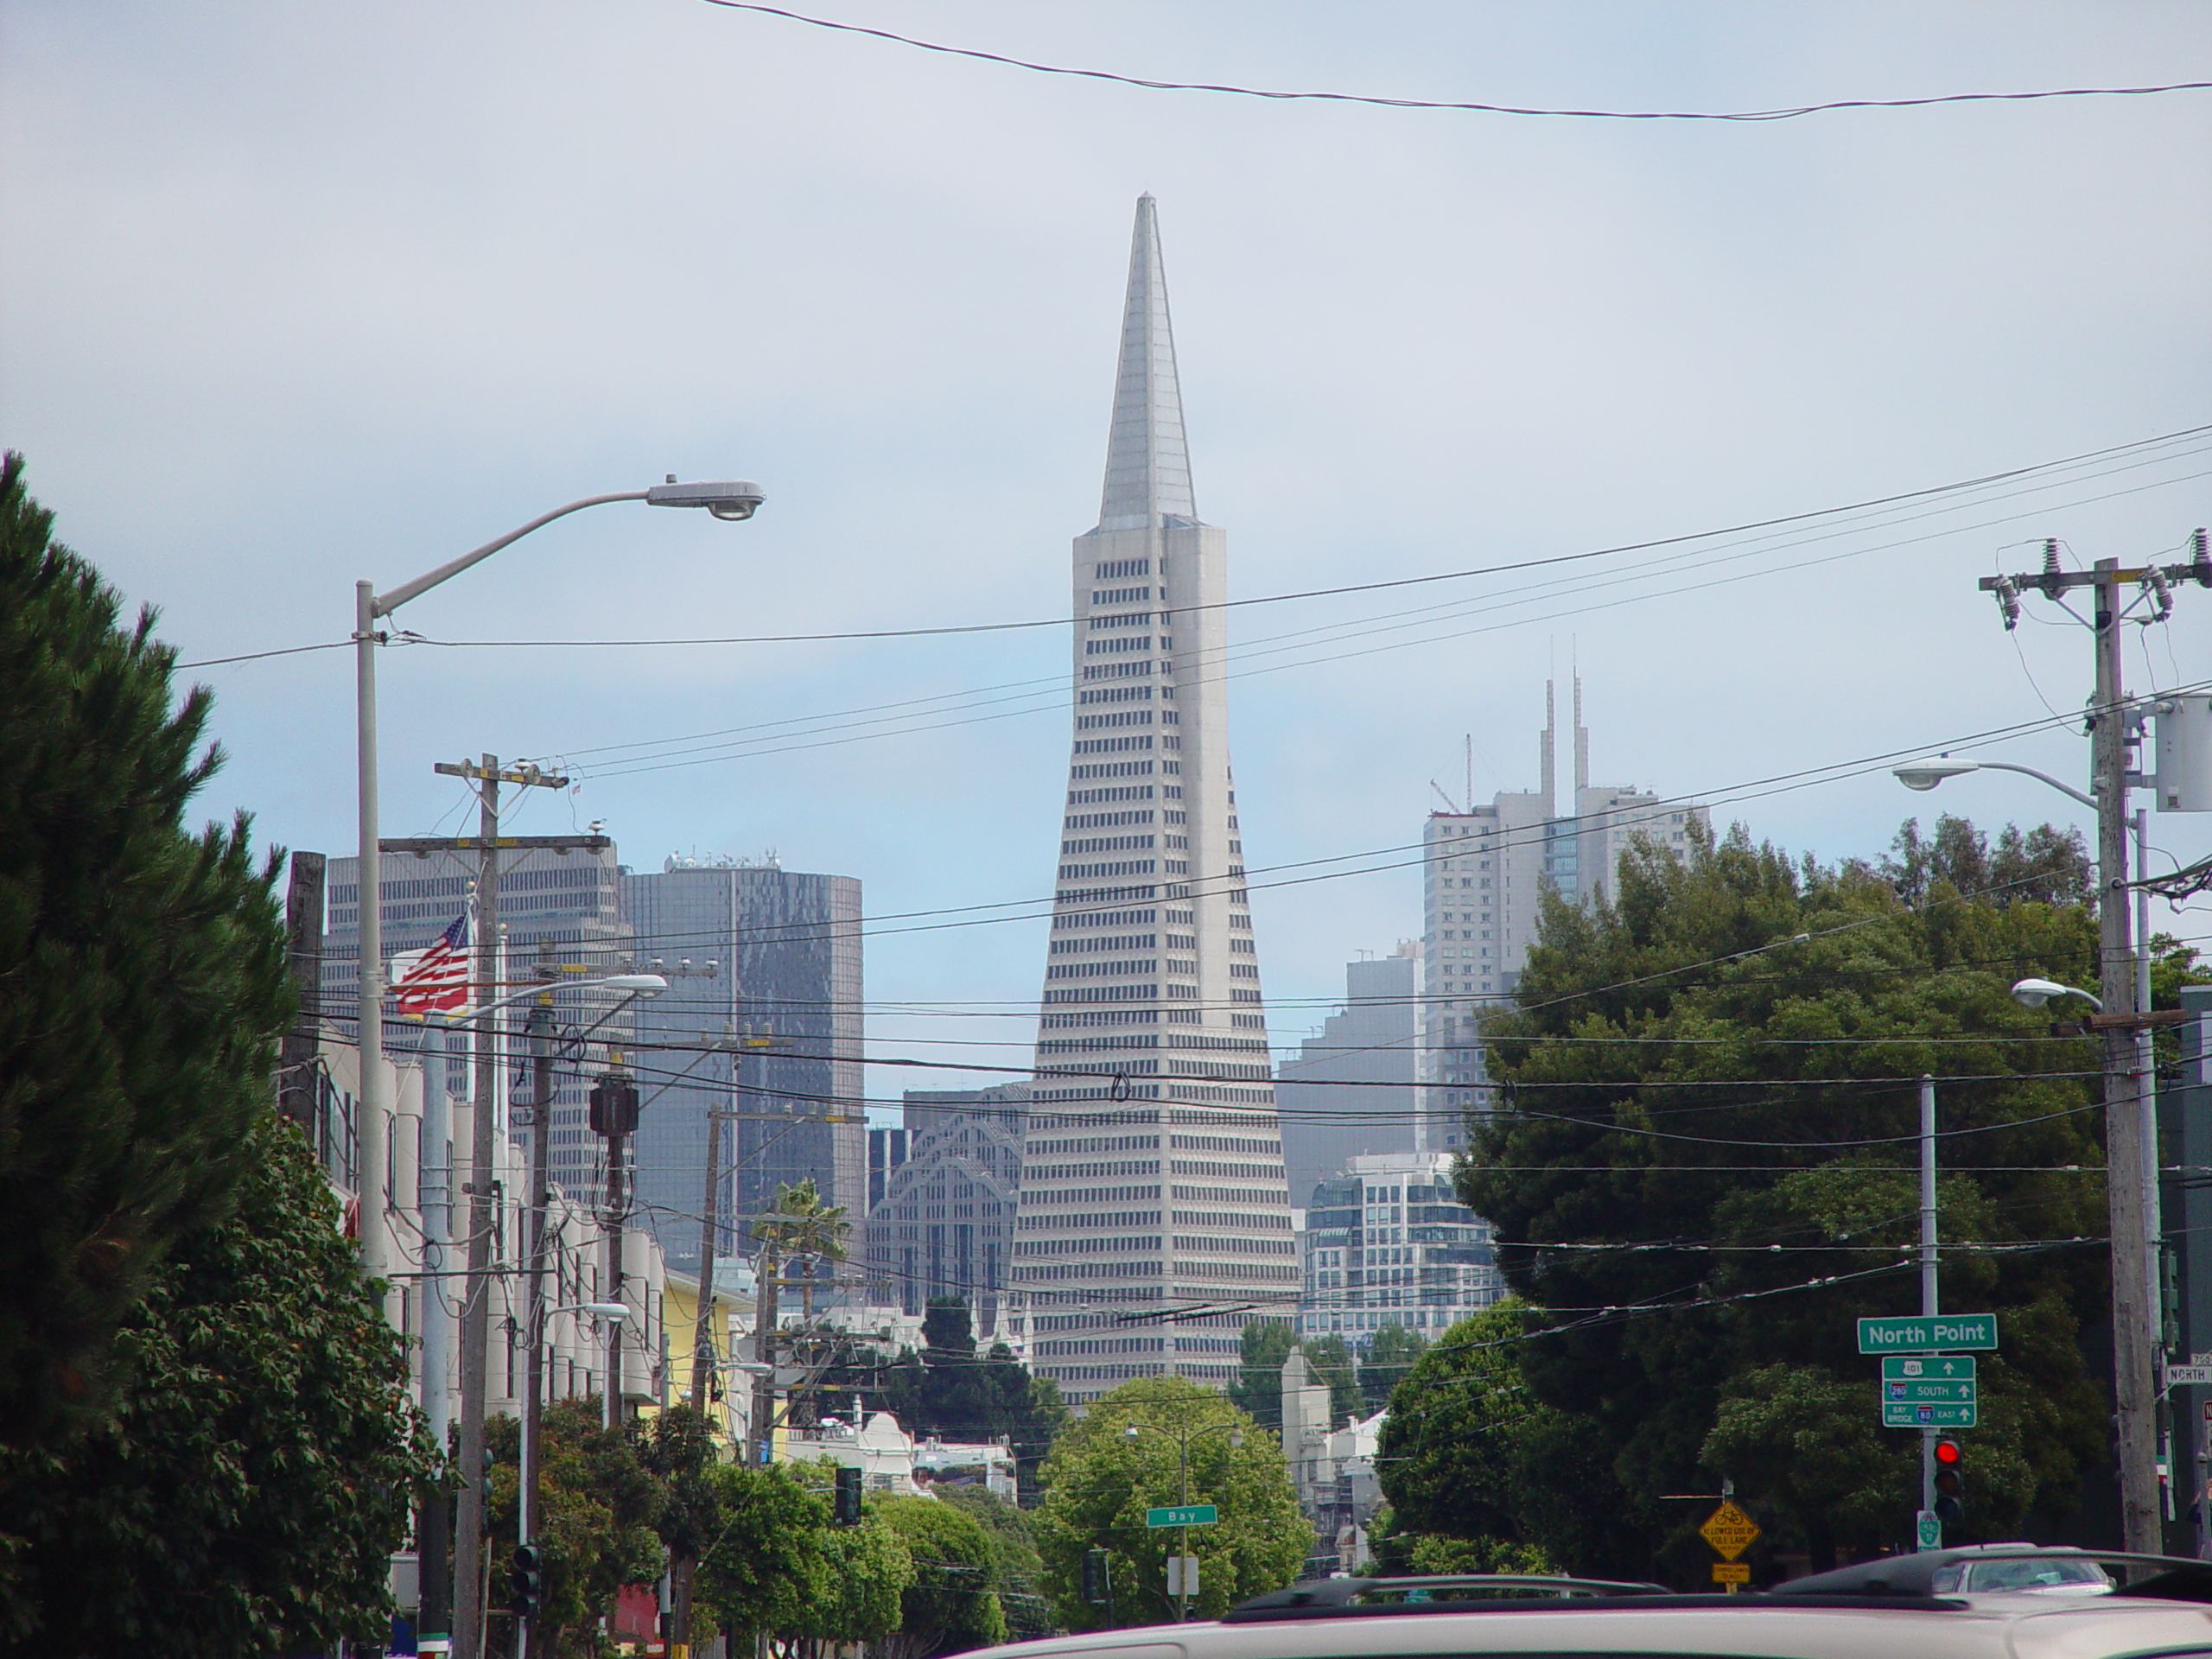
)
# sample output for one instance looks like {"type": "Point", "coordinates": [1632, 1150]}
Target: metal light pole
{"type": "Point", "coordinates": [1236, 1433]}
{"type": "Point", "coordinates": [2131, 1123]}
{"type": "Point", "coordinates": [728, 500]}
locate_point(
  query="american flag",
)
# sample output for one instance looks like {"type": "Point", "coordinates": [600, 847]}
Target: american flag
{"type": "Point", "coordinates": [435, 981]}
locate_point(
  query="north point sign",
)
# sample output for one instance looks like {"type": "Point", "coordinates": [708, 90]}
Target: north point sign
{"type": "Point", "coordinates": [1928, 1333]}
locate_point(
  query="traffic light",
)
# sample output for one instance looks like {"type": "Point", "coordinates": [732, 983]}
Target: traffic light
{"type": "Point", "coordinates": [614, 1106]}
{"type": "Point", "coordinates": [527, 1582]}
{"type": "Point", "coordinates": [1950, 1480]}
{"type": "Point", "coordinates": [848, 1512]}
{"type": "Point", "coordinates": [1095, 1588]}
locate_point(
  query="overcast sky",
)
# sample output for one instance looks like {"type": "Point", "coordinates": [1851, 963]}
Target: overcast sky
{"type": "Point", "coordinates": [294, 294]}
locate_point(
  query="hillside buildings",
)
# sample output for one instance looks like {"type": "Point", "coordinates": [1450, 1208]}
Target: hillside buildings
{"type": "Point", "coordinates": [1153, 1218]}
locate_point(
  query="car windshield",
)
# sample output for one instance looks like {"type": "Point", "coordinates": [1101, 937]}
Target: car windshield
{"type": "Point", "coordinates": [2037, 1573]}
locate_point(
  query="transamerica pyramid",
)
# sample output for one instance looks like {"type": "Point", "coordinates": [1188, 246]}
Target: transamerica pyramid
{"type": "Point", "coordinates": [1153, 1220]}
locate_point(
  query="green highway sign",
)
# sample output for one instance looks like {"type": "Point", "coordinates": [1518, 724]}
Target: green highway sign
{"type": "Point", "coordinates": [1940, 1368]}
{"type": "Point", "coordinates": [1933, 1379]}
{"type": "Point", "coordinates": [1906, 1414]}
{"type": "Point", "coordinates": [1183, 1515]}
{"type": "Point", "coordinates": [1928, 1333]}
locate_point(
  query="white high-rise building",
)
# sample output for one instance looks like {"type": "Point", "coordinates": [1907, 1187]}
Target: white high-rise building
{"type": "Point", "coordinates": [1153, 1217]}
{"type": "Point", "coordinates": [1485, 871]}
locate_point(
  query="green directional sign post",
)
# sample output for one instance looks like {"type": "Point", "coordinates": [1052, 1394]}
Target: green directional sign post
{"type": "Point", "coordinates": [1183, 1515]}
{"type": "Point", "coordinates": [1928, 1334]}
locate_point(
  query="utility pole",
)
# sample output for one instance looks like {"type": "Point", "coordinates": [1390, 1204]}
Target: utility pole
{"type": "Point", "coordinates": [2130, 1143]}
{"type": "Point", "coordinates": [539, 1031]}
{"type": "Point", "coordinates": [469, 1577]}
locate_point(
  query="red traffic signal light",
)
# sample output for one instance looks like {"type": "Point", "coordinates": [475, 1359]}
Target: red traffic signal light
{"type": "Point", "coordinates": [1950, 1480]}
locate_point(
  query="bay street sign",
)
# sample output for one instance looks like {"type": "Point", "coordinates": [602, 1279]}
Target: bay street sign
{"type": "Point", "coordinates": [1928, 1333]}
{"type": "Point", "coordinates": [1183, 1515]}
{"type": "Point", "coordinates": [1907, 1414]}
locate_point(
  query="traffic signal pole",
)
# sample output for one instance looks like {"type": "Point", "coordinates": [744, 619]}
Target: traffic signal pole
{"type": "Point", "coordinates": [1928, 1262]}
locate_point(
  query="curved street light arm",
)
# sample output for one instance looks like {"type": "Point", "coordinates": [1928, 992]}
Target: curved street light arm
{"type": "Point", "coordinates": [2087, 800]}
{"type": "Point", "coordinates": [385, 604]}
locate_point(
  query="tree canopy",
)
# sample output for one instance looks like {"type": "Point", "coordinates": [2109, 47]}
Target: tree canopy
{"type": "Point", "coordinates": [257, 1474]}
{"type": "Point", "coordinates": [1099, 1482]}
{"type": "Point", "coordinates": [146, 974]}
{"type": "Point", "coordinates": [1704, 1158]}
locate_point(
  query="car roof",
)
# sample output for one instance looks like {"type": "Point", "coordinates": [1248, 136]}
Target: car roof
{"type": "Point", "coordinates": [1768, 1628]}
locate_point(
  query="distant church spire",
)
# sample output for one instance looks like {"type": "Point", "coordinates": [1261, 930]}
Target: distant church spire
{"type": "Point", "coordinates": [1147, 466]}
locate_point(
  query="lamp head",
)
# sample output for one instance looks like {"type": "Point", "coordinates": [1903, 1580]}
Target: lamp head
{"type": "Point", "coordinates": [1130, 1433]}
{"type": "Point", "coordinates": [2034, 993]}
{"type": "Point", "coordinates": [730, 499]}
{"type": "Point", "coordinates": [604, 1309]}
{"type": "Point", "coordinates": [1926, 773]}
{"type": "Point", "coordinates": [636, 984]}
{"type": "Point", "coordinates": [1235, 1437]}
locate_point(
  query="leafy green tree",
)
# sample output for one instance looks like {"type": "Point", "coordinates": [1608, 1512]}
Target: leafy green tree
{"type": "Point", "coordinates": [951, 1392]}
{"type": "Point", "coordinates": [952, 1604]}
{"type": "Point", "coordinates": [599, 1509]}
{"type": "Point", "coordinates": [248, 1491]}
{"type": "Point", "coordinates": [1477, 1470]}
{"type": "Point", "coordinates": [1262, 1352]}
{"type": "Point", "coordinates": [1018, 1571]}
{"type": "Point", "coordinates": [679, 1446]}
{"type": "Point", "coordinates": [865, 1574]}
{"type": "Point", "coordinates": [1384, 1365]}
{"type": "Point", "coordinates": [1099, 1482]}
{"type": "Point", "coordinates": [766, 1564]}
{"type": "Point", "coordinates": [145, 972]}
{"type": "Point", "coordinates": [1718, 1067]}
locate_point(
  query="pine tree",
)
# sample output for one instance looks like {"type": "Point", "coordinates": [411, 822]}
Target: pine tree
{"type": "Point", "coordinates": [143, 975]}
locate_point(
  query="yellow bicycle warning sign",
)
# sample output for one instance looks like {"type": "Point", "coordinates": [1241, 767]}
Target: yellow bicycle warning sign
{"type": "Point", "coordinates": [1729, 1531]}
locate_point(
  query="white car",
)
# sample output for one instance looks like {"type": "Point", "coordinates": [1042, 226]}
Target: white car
{"type": "Point", "coordinates": [2166, 1614]}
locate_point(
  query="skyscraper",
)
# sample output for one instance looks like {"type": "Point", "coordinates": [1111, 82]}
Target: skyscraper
{"type": "Point", "coordinates": [1153, 1217]}
{"type": "Point", "coordinates": [1485, 870]}
{"type": "Point", "coordinates": [763, 1018]}
{"type": "Point", "coordinates": [1373, 1040]}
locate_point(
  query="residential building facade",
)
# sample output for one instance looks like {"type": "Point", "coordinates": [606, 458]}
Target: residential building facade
{"type": "Point", "coordinates": [1387, 1241]}
{"type": "Point", "coordinates": [1154, 1218]}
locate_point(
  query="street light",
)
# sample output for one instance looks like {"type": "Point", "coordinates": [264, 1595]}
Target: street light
{"type": "Point", "coordinates": [2135, 1229]}
{"type": "Point", "coordinates": [1927, 773]}
{"type": "Point", "coordinates": [2034, 993]}
{"type": "Point", "coordinates": [1136, 1431]}
{"type": "Point", "coordinates": [728, 500]}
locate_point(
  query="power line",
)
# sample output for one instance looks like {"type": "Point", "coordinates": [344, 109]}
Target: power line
{"type": "Point", "coordinates": [1785, 113]}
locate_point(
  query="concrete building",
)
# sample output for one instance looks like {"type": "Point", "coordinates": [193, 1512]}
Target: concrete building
{"type": "Point", "coordinates": [763, 1018]}
{"type": "Point", "coordinates": [564, 909]}
{"type": "Point", "coordinates": [1332, 1470]}
{"type": "Point", "coordinates": [945, 1225]}
{"type": "Point", "coordinates": [1153, 1109]}
{"type": "Point", "coordinates": [1387, 1241]}
{"type": "Point", "coordinates": [1484, 874]}
{"type": "Point", "coordinates": [1350, 1089]}
{"type": "Point", "coordinates": [1484, 870]}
